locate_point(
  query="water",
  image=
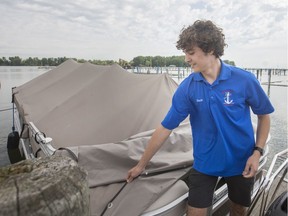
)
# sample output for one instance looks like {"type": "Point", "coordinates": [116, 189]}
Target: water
{"type": "Point", "coordinates": [15, 76]}
{"type": "Point", "coordinates": [279, 119]}
{"type": "Point", "coordinates": [11, 77]}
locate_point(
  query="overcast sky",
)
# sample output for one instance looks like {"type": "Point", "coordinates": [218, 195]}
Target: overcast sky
{"type": "Point", "coordinates": [255, 30]}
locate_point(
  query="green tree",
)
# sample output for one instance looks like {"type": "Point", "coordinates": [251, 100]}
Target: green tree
{"type": "Point", "coordinates": [138, 61]}
{"type": "Point", "coordinates": [148, 61]}
{"type": "Point", "coordinates": [44, 61]}
{"type": "Point", "coordinates": [3, 61]}
{"type": "Point", "coordinates": [81, 60]}
{"type": "Point", "coordinates": [102, 62]}
{"type": "Point", "coordinates": [60, 60]}
{"type": "Point", "coordinates": [37, 61]}
{"type": "Point", "coordinates": [15, 61]}
{"type": "Point", "coordinates": [28, 62]}
{"type": "Point", "coordinates": [124, 64]}
{"type": "Point", "coordinates": [51, 62]}
{"type": "Point", "coordinates": [158, 61]}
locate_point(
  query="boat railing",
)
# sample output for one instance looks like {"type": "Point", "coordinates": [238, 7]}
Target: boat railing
{"type": "Point", "coordinates": [44, 142]}
{"type": "Point", "coordinates": [278, 165]}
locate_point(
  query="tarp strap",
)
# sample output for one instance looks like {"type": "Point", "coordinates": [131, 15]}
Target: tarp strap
{"type": "Point", "coordinates": [110, 204]}
{"type": "Point", "coordinates": [145, 174]}
{"type": "Point", "coordinates": [23, 127]}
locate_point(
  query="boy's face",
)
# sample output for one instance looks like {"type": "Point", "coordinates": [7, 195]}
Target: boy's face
{"type": "Point", "coordinates": [197, 59]}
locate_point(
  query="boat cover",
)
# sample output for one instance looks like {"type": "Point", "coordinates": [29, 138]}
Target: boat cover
{"type": "Point", "coordinates": [106, 115]}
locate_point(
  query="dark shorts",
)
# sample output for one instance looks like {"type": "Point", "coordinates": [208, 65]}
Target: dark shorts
{"type": "Point", "coordinates": [201, 189]}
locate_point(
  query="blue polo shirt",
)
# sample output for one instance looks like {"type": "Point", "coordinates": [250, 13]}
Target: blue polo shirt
{"type": "Point", "coordinates": [223, 137]}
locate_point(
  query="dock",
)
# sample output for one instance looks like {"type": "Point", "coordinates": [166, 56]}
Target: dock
{"type": "Point", "coordinates": [182, 72]}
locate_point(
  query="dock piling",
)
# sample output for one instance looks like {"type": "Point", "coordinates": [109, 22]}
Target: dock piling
{"type": "Point", "coordinates": [46, 186]}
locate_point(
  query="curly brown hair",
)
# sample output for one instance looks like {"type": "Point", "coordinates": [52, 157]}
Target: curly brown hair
{"type": "Point", "coordinates": [203, 34]}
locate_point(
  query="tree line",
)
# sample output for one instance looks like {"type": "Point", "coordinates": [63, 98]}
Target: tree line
{"type": "Point", "coordinates": [139, 61]}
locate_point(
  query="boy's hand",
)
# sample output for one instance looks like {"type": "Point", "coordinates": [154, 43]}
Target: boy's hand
{"type": "Point", "coordinates": [252, 165]}
{"type": "Point", "coordinates": [134, 173]}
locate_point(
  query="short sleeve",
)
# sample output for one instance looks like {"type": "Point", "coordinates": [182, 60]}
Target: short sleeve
{"type": "Point", "coordinates": [257, 98]}
{"type": "Point", "coordinates": [179, 109]}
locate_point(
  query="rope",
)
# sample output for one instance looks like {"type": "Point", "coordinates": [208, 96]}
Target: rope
{"type": "Point", "coordinates": [38, 135]}
{"type": "Point", "coordinates": [36, 153]}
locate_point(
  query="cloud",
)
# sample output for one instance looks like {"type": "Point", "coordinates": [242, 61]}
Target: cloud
{"type": "Point", "coordinates": [126, 28]}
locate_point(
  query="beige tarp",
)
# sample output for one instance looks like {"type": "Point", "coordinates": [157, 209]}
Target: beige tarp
{"type": "Point", "coordinates": [107, 115]}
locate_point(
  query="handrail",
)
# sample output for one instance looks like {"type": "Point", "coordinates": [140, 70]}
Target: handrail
{"type": "Point", "coordinates": [43, 141]}
{"type": "Point", "coordinates": [267, 181]}
{"type": "Point", "coordinates": [276, 156]}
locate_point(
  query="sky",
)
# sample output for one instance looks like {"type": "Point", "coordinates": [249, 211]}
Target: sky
{"type": "Point", "coordinates": [255, 30]}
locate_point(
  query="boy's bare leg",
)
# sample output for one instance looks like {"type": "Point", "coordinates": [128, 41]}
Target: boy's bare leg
{"type": "Point", "coordinates": [237, 210]}
{"type": "Point", "coordinates": [191, 211]}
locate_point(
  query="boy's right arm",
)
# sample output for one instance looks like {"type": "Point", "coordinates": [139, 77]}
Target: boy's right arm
{"type": "Point", "coordinates": [154, 144]}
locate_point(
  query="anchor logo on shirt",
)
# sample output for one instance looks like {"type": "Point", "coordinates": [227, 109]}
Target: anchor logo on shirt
{"type": "Point", "coordinates": [228, 98]}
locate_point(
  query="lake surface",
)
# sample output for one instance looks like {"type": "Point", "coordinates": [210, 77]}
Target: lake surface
{"type": "Point", "coordinates": [16, 76]}
{"type": "Point", "coordinates": [11, 77]}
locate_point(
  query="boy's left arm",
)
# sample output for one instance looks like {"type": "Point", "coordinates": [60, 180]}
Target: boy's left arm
{"type": "Point", "coordinates": [262, 132]}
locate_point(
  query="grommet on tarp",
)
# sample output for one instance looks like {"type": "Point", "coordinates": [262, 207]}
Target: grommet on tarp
{"type": "Point", "coordinates": [110, 204]}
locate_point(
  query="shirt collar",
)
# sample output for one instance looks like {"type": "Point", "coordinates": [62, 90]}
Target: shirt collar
{"type": "Point", "coordinates": [225, 73]}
